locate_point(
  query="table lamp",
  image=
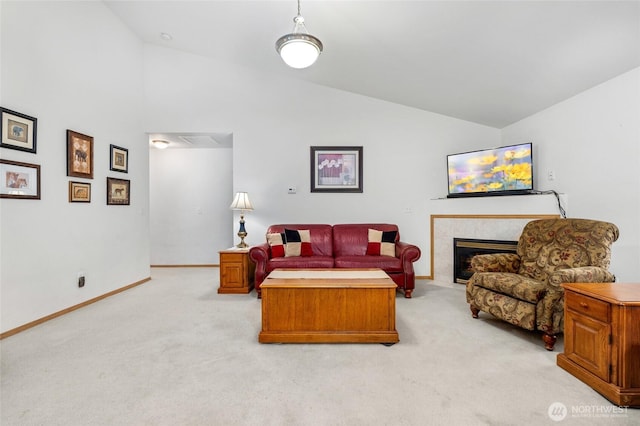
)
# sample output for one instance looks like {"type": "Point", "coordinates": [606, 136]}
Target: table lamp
{"type": "Point", "coordinates": [241, 202]}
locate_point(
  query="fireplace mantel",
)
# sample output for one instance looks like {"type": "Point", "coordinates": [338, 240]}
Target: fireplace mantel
{"type": "Point", "coordinates": [446, 227]}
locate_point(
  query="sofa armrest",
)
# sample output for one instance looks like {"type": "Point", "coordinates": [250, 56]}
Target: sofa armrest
{"type": "Point", "coordinates": [260, 256]}
{"type": "Point", "coordinates": [584, 274]}
{"type": "Point", "coordinates": [496, 262]}
{"type": "Point", "coordinates": [407, 253]}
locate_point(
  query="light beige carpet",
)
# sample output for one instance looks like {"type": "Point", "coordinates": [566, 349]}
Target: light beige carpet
{"type": "Point", "coordinates": [174, 352]}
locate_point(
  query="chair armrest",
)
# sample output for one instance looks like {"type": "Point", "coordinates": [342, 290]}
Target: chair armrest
{"type": "Point", "coordinates": [551, 307]}
{"type": "Point", "coordinates": [584, 274]}
{"type": "Point", "coordinates": [260, 256]}
{"type": "Point", "coordinates": [496, 262]}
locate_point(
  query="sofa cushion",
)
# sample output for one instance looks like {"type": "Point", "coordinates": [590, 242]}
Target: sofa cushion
{"type": "Point", "coordinates": [276, 244]}
{"type": "Point", "coordinates": [300, 262]}
{"type": "Point", "coordinates": [513, 285]}
{"type": "Point", "coordinates": [297, 242]}
{"type": "Point", "coordinates": [382, 243]}
{"type": "Point", "coordinates": [386, 263]}
{"type": "Point", "coordinates": [353, 239]}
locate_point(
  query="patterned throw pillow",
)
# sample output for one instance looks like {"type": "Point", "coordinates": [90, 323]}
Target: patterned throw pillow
{"type": "Point", "coordinates": [276, 244]}
{"type": "Point", "coordinates": [382, 243]}
{"type": "Point", "coordinates": [297, 243]}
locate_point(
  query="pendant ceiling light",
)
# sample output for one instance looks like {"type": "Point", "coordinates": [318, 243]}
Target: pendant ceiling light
{"type": "Point", "coordinates": [299, 49]}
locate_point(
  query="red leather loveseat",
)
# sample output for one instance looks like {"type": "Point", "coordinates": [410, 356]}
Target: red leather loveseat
{"type": "Point", "coordinates": [338, 246]}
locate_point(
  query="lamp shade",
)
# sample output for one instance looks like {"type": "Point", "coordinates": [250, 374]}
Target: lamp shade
{"type": "Point", "coordinates": [299, 50]}
{"type": "Point", "coordinates": [241, 202]}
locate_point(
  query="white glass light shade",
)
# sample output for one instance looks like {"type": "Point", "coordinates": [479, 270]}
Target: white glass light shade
{"type": "Point", "coordinates": [160, 144]}
{"type": "Point", "coordinates": [241, 202]}
{"type": "Point", "coordinates": [299, 50]}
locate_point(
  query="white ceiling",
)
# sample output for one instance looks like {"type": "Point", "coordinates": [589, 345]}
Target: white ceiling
{"type": "Point", "coordinates": [489, 62]}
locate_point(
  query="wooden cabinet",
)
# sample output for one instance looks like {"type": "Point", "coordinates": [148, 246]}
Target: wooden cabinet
{"type": "Point", "coordinates": [602, 339]}
{"type": "Point", "coordinates": [236, 271]}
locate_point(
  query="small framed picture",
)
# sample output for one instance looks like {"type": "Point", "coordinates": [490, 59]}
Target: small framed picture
{"type": "Point", "coordinates": [118, 192]}
{"type": "Point", "coordinates": [19, 180]}
{"type": "Point", "coordinates": [336, 169]}
{"type": "Point", "coordinates": [79, 155]}
{"type": "Point", "coordinates": [79, 192]}
{"type": "Point", "coordinates": [18, 131]}
{"type": "Point", "coordinates": [119, 159]}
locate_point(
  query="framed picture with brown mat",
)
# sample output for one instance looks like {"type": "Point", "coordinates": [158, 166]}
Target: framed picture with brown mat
{"type": "Point", "coordinates": [79, 155]}
{"type": "Point", "coordinates": [79, 192]}
{"type": "Point", "coordinates": [118, 192]}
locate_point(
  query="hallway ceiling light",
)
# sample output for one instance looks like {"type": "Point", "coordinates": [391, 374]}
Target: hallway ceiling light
{"type": "Point", "coordinates": [160, 144]}
{"type": "Point", "coordinates": [299, 49]}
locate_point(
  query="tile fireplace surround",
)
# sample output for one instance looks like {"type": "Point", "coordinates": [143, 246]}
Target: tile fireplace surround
{"type": "Point", "coordinates": [444, 228]}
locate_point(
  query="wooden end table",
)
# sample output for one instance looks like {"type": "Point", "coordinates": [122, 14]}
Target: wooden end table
{"type": "Point", "coordinates": [602, 339]}
{"type": "Point", "coordinates": [237, 271]}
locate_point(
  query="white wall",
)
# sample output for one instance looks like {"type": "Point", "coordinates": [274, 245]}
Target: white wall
{"type": "Point", "coordinates": [72, 65]}
{"type": "Point", "coordinates": [190, 193]}
{"type": "Point", "coordinates": [592, 143]}
{"type": "Point", "coordinates": [275, 121]}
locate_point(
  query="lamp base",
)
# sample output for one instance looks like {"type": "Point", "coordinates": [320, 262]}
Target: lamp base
{"type": "Point", "coordinates": [242, 244]}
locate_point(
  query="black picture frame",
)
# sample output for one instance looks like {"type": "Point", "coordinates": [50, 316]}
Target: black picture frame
{"type": "Point", "coordinates": [18, 131]}
{"type": "Point", "coordinates": [336, 169]}
{"type": "Point", "coordinates": [118, 159]}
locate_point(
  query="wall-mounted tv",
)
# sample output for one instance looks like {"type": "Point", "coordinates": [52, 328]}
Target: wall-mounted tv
{"type": "Point", "coordinates": [507, 170]}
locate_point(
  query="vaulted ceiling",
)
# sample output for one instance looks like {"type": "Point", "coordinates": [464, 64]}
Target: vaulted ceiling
{"type": "Point", "coordinates": [489, 62]}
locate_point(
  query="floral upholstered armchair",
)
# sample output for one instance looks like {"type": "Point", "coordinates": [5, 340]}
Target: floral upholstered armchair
{"type": "Point", "coordinates": [525, 289]}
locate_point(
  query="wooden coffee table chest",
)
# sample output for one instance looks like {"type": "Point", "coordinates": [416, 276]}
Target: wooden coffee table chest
{"type": "Point", "coordinates": [328, 306]}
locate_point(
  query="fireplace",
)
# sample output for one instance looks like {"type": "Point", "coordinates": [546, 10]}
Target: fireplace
{"type": "Point", "coordinates": [465, 248]}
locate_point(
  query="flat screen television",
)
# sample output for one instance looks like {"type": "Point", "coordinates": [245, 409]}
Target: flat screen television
{"type": "Point", "coordinates": [507, 170]}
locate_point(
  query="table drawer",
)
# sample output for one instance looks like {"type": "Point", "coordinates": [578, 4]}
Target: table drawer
{"type": "Point", "coordinates": [588, 306]}
{"type": "Point", "coordinates": [233, 257]}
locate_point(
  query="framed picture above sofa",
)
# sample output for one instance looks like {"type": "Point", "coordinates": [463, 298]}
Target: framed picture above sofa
{"type": "Point", "coordinates": [336, 169]}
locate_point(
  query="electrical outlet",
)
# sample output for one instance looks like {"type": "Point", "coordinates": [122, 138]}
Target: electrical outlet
{"type": "Point", "coordinates": [81, 279]}
{"type": "Point", "coordinates": [551, 175]}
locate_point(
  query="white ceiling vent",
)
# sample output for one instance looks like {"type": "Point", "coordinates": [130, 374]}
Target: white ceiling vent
{"type": "Point", "coordinates": [199, 141]}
